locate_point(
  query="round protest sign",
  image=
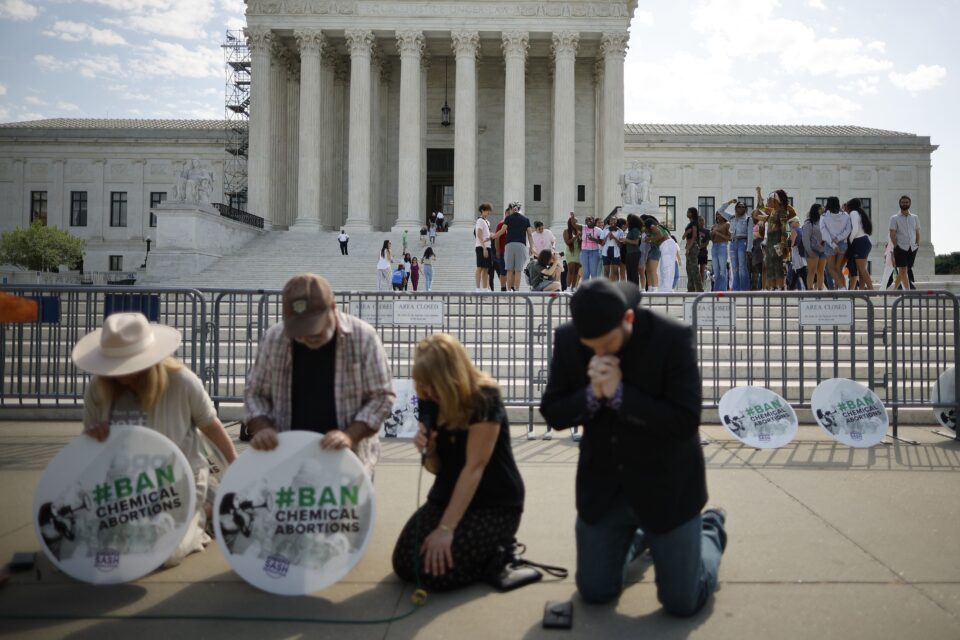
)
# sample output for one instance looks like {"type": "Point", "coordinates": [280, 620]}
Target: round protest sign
{"type": "Point", "coordinates": [296, 519]}
{"type": "Point", "coordinates": [943, 395]}
{"type": "Point", "coordinates": [758, 417]}
{"type": "Point", "coordinates": [114, 511]}
{"type": "Point", "coordinates": [851, 413]}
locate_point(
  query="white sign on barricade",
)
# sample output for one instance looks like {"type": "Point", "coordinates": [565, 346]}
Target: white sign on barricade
{"type": "Point", "coordinates": [826, 313]}
{"type": "Point", "coordinates": [850, 412]}
{"type": "Point", "coordinates": [758, 417]}
{"type": "Point", "coordinates": [376, 313]}
{"type": "Point", "coordinates": [418, 312]}
{"type": "Point", "coordinates": [712, 313]}
{"type": "Point", "coordinates": [114, 511]}
{"type": "Point", "coordinates": [404, 418]}
{"type": "Point", "coordinates": [297, 519]}
{"type": "Point", "coordinates": [943, 395]}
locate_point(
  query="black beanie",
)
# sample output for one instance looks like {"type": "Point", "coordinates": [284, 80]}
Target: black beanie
{"type": "Point", "coordinates": [597, 308]}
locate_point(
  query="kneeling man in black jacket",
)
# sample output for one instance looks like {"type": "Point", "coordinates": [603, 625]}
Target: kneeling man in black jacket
{"type": "Point", "coordinates": [630, 376]}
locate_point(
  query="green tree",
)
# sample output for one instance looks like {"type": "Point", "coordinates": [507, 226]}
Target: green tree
{"type": "Point", "coordinates": [947, 264]}
{"type": "Point", "coordinates": [40, 248]}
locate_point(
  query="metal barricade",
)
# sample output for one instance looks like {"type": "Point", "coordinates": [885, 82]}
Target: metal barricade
{"type": "Point", "coordinates": [788, 342]}
{"type": "Point", "coordinates": [35, 363]}
{"type": "Point", "coordinates": [924, 327]}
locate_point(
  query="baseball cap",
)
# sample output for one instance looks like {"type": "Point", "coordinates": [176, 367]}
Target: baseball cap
{"type": "Point", "coordinates": [306, 299]}
{"type": "Point", "coordinates": [597, 308]}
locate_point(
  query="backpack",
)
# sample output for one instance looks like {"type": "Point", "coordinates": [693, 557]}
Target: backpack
{"type": "Point", "coordinates": [800, 249]}
{"type": "Point", "coordinates": [398, 276]}
{"type": "Point", "coordinates": [528, 272]}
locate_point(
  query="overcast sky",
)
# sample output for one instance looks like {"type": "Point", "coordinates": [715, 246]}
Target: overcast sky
{"type": "Point", "coordinates": [888, 64]}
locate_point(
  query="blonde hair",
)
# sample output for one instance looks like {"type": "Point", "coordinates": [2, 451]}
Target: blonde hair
{"type": "Point", "coordinates": [150, 385]}
{"type": "Point", "coordinates": [442, 364]}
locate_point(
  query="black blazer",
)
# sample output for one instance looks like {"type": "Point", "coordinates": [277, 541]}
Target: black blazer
{"type": "Point", "coordinates": [650, 449]}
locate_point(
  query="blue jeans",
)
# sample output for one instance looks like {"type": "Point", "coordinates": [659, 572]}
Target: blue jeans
{"type": "Point", "coordinates": [428, 274]}
{"type": "Point", "coordinates": [686, 559]}
{"type": "Point", "coordinates": [590, 259]}
{"type": "Point", "coordinates": [720, 279]}
{"type": "Point", "coordinates": [738, 264]}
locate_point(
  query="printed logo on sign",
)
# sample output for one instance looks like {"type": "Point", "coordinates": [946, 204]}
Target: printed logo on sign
{"type": "Point", "coordinates": [276, 566]}
{"type": "Point", "coordinates": [107, 560]}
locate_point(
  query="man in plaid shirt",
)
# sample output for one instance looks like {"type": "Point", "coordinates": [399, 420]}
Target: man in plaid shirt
{"type": "Point", "coordinates": [319, 370]}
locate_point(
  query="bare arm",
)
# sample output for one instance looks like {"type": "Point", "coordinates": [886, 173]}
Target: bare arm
{"type": "Point", "coordinates": [219, 437]}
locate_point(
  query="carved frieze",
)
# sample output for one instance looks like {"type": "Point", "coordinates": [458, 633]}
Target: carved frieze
{"type": "Point", "coordinates": [863, 176]}
{"type": "Point", "coordinates": [452, 9]}
{"type": "Point", "coordinates": [823, 177]}
{"type": "Point", "coordinates": [119, 171]}
{"type": "Point", "coordinates": [746, 175]}
{"type": "Point", "coordinates": [38, 171]}
{"type": "Point", "coordinates": [6, 170]}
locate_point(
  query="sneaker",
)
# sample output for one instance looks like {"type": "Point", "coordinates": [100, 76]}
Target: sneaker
{"type": "Point", "coordinates": [547, 436]}
{"type": "Point", "coordinates": [720, 514]}
{"type": "Point", "coordinates": [531, 435]}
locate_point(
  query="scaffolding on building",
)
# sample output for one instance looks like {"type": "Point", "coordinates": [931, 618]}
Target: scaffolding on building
{"type": "Point", "coordinates": [237, 118]}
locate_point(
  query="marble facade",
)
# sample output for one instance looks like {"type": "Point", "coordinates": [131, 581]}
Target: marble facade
{"type": "Point", "coordinates": [533, 86]}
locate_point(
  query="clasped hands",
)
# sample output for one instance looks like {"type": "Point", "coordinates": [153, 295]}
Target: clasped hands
{"type": "Point", "coordinates": [605, 376]}
{"type": "Point", "coordinates": [265, 438]}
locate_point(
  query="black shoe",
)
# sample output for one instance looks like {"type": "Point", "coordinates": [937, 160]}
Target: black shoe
{"type": "Point", "coordinates": [721, 514]}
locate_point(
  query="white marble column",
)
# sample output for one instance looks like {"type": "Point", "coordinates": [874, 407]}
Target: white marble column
{"type": "Point", "coordinates": [258, 156]}
{"type": "Point", "coordinates": [292, 150]}
{"type": "Point", "coordinates": [515, 44]}
{"type": "Point", "coordinates": [466, 45]}
{"type": "Point", "coordinates": [278, 134]}
{"type": "Point", "coordinates": [311, 44]}
{"type": "Point", "coordinates": [341, 152]}
{"type": "Point", "coordinates": [613, 48]}
{"type": "Point", "coordinates": [425, 62]}
{"type": "Point", "coordinates": [376, 139]}
{"type": "Point", "coordinates": [359, 43]}
{"type": "Point", "coordinates": [410, 48]}
{"type": "Point", "coordinates": [564, 134]}
{"type": "Point", "coordinates": [327, 140]}
{"type": "Point", "coordinates": [598, 193]}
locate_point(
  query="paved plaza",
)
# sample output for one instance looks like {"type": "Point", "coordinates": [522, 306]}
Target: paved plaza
{"type": "Point", "coordinates": [825, 542]}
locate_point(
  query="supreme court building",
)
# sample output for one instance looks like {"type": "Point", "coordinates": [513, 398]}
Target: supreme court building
{"type": "Point", "coordinates": [369, 114]}
{"type": "Point", "coordinates": [534, 89]}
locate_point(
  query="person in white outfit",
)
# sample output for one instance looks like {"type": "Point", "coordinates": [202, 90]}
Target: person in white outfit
{"type": "Point", "coordinates": [384, 266]}
{"type": "Point", "coordinates": [669, 251]}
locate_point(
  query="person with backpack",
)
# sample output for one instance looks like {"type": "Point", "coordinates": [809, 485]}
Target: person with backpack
{"type": "Point", "coordinates": [399, 275]}
{"type": "Point", "coordinates": [860, 243]}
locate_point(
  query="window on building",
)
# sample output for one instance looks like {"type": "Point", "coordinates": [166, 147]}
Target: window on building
{"type": "Point", "coordinates": [707, 205]}
{"type": "Point", "coordinates": [790, 200]}
{"type": "Point", "coordinates": [156, 197]}
{"type": "Point", "coordinates": [865, 204]}
{"type": "Point", "coordinates": [747, 200]}
{"type": "Point", "coordinates": [38, 206]}
{"type": "Point", "coordinates": [116, 263]}
{"type": "Point", "coordinates": [118, 208]}
{"type": "Point", "coordinates": [668, 209]}
{"type": "Point", "coordinates": [581, 193]}
{"type": "Point", "coordinates": [822, 202]}
{"type": "Point", "coordinates": [536, 193]}
{"type": "Point", "coordinates": [78, 208]}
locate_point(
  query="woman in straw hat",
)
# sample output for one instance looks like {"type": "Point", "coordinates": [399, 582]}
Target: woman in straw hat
{"type": "Point", "coordinates": [137, 381]}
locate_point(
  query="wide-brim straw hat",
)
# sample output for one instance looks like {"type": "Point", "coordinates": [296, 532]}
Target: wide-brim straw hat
{"type": "Point", "coordinates": [127, 343]}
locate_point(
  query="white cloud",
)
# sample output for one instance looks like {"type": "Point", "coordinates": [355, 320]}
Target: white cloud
{"type": "Point", "coordinates": [173, 18]}
{"type": "Point", "coordinates": [34, 101]}
{"type": "Point", "coordinates": [67, 106]}
{"type": "Point", "coordinates": [90, 67]}
{"type": "Point", "coordinates": [641, 17]}
{"type": "Point", "coordinates": [797, 47]}
{"type": "Point", "coordinates": [78, 31]}
{"type": "Point", "coordinates": [18, 10]}
{"type": "Point", "coordinates": [816, 4]}
{"type": "Point", "coordinates": [175, 60]}
{"type": "Point", "coordinates": [3, 90]}
{"type": "Point", "coordinates": [923, 78]}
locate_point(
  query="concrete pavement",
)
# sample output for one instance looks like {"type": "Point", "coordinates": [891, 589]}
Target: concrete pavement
{"type": "Point", "coordinates": [824, 542]}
